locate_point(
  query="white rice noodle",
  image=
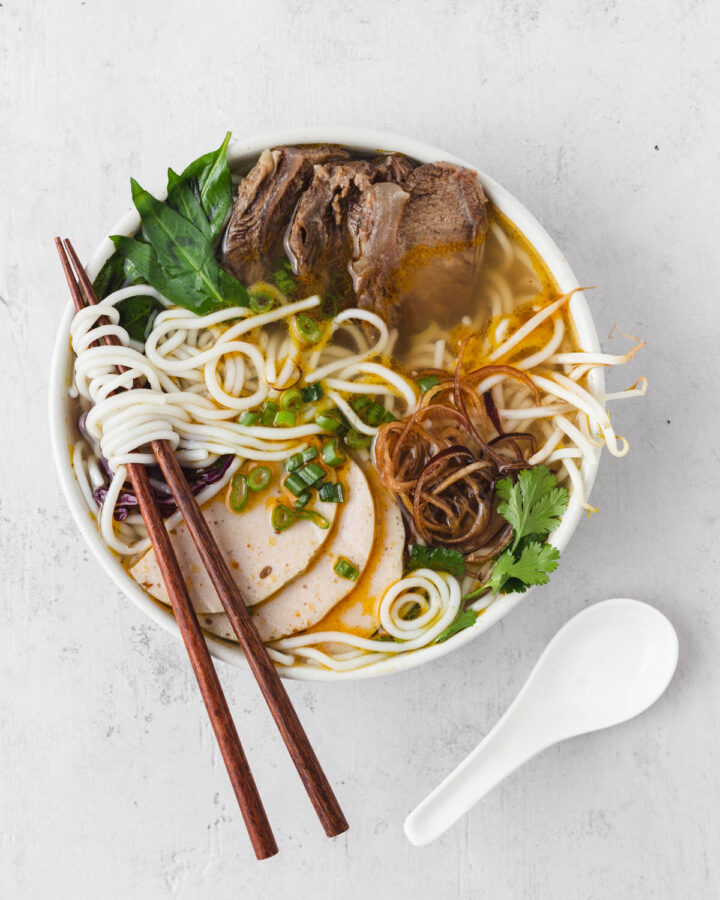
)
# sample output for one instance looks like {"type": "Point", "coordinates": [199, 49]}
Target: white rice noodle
{"type": "Point", "coordinates": [363, 315]}
{"type": "Point", "coordinates": [506, 247]}
{"type": "Point", "coordinates": [81, 469]}
{"type": "Point", "coordinates": [194, 378]}
{"type": "Point", "coordinates": [438, 596]}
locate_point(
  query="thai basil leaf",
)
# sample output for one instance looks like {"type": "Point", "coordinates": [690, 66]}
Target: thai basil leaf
{"type": "Point", "coordinates": [184, 254]}
{"type": "Point", "coordinates": [180, 248]}
{"type": "Point", "coordinates": [182, 291]}
{"type": "Point", "coordinates": [111, 277]}
{"type": "Point", "coordinates": [116, 273]}
{"type": "Point", "coordinates": [182, 199]}
{"type": "Point", "coordinates": [209, 179]}
{"type": "Point", "coordinates": [173, 251]}
{"type": "Point", "coordinates": [189, 291]}
{"type": "Point", "coordinates": [137, 315]}
{"type": "Point", "coordinates": [231, 289]}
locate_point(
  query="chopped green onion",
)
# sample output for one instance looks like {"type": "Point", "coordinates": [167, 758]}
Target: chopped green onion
{"type": "Point", "coordinates": [356, 440]}
{"type": "Point", "coordinates": [346, 569]}
{"type": "Point", "coordinates": [333, 454]}
{"type": "Point", "coordinates": [308, 328]}
{"type": "Point", "coordinates": [374, 414]}
{"type": "Point", "coordinates": [259, 478]}
{"type": "Point", "coordinates": [309, 453]}
{"type": "Point", "coordinates": [328, 306]}
{"type": "Point", "coordinates": [283, 277]}
{"type": "Point", "coordinates": [370, 411]}
{"type": "Point", "coordinates": [359, 403]}
{"type": "Point", "coordinates": [311, 474]}
{"type": "Point", "coordinates": [331, 420]}
{"type": "Point", "coordinates": [427, 381]}
{"type": "Point", "coordinates": [239, 492]}
{"type": "Point", "coordinates": [282, 517]}
{"type": "Point", "coordinates": [294, 462]}
{"type": "Point", "coordinates": [292, 400]}
{"type": "Point", "coordinates": [261, 301]}
{"type": "Point", "coordinates": [331, 492]}
{"type": "Point", "coordinates": [284, 419]}
{"type": "Point", "coordinates": [295, 484]}
{"type": "Point", "coordinates": [248, 418]}
{"type": "Point", "coordinates": [303, 500]}
{"type": "Point", "coordinates": [267, 412]}
{"type": "Point", "coordinates": [315, 517]}
{"type": "Point", "coordinates": [312, 392]}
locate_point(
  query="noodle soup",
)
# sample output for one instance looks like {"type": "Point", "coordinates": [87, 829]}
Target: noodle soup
{"type": "Point", "coordinates": [354, 468]}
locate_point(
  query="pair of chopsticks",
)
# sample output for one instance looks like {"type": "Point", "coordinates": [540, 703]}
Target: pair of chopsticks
{"type": "Point", "coordinates": [286, 719]}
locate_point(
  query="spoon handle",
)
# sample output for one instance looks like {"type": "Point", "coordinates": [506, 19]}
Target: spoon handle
{"type": "Point", "coordinates": [510, 744]}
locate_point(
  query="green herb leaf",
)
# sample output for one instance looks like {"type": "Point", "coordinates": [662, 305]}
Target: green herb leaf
{"type": "Point", "coordinates": [182, 199]}
{"type": "Point", "coordinates": [111, 277]}
{"type": "Point", "coordinates": [208, 177]}
{"type": "Point", "coordinates": [137, 315]}
{"type": "Point", "coordinates": [534, 504]}
{"type": "Point", "coordinates": [231, 289]}
{"type": "Point", "coordinates": [181, 249]}
{"type": "Point", "coordinates": [185, 254]}
{"type": "Point", "coordinates": [462, 621]}
{"type": "Point", "coordinates": [174, 251]}
{"type": "Point", "coordinates": [439, 558]}
{"type": "Point", "coordinates": [515, 575]}
{"type": "Point", "coordinates": [184, 292]}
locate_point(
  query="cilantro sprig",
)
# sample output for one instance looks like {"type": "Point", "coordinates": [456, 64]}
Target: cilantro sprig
{"type": "Point", "coordinates": [515, 572]}
{"type": "Point", "coordinates": [441, 559]}
{"type": "Point", "coordinates": [464, 619]}
{"type": "Point", "coordinates": [533, 505]}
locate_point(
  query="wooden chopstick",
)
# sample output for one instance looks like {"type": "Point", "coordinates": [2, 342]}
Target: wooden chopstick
{"type": "Point", "coordinates": [286, 718]}
{"type": "Point", "coordinates": [306, 762]}
{"type": "Point", "coordinates": [251, 807]}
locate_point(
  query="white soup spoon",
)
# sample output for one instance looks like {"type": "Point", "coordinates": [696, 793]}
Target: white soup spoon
{"type": "Point", "coordinates": [607, 664]}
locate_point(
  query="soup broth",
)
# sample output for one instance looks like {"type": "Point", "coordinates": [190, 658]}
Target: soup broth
{"type": "Point", "coordinates": [353, 428]}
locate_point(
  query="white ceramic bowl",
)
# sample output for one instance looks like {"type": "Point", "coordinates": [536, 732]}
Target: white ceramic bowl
{"type": "Point", "coordinates": [244, 151]}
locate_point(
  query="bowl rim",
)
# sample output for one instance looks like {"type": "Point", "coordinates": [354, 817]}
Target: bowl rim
{"type": "Point", "coordinates": [241, 150]}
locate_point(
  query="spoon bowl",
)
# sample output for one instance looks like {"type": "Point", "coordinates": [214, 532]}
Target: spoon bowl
{"type": "Point", "coordinates": [606, 665]}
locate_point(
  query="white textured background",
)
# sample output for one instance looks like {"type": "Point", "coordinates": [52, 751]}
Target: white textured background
{"type": "Point", "coordinates": [604, 119]}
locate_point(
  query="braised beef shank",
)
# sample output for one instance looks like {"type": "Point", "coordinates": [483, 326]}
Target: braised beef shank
{"type": "Point", "coordinates": [410, 237]}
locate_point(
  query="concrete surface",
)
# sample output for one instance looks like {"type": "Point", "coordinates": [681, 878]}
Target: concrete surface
{"type": "Point", "coordinates": [604, 119]}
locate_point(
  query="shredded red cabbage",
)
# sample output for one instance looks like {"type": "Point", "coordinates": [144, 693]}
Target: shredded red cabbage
{"type": "Point", "coordinates": [127, 501]}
